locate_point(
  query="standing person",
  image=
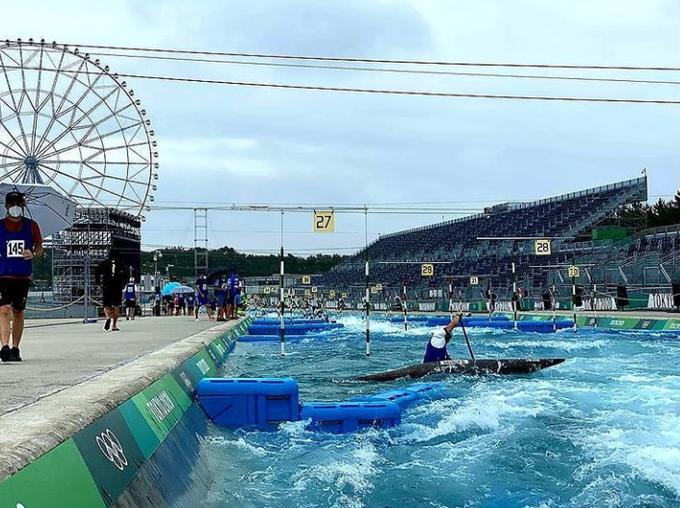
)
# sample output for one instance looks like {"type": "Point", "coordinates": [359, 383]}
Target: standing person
{"type": "Point", "coordinates": [112, 274]}
{"type": "Point", "coordinates": [130, 299]}
{"type": "Point", "coordinates": [202, 296]}
{"type": "Point", "coordinates": [20, 242]}
{"type": "Point", "coordinates": [221, 297]}
{"type": "Point", "coordinates": [191, 302]}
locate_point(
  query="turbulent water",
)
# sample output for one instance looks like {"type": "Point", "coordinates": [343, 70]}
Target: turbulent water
{"type": "Point", "coordinates": [602, 429]}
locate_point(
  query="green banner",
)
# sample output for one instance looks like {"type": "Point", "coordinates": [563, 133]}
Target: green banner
{"type": "Point", "coordinates": [111, 454]}
{"type": "Point", "coordinates": [58, 479]}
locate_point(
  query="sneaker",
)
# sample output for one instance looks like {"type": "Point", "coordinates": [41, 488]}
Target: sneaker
{"type": "Point", "coordinates": [4, 353]}
{"type": "Point", "coordinates": [14, 355]}
{"type": "Point", "coordinates": [115, 329]}
{"type": "Point", "coordinates": [107, 325]}
{"type": "Point", "coordinates": [127, 318]}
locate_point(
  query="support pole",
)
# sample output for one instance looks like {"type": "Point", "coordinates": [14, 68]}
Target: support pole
{"type": "Point", "coordinates": [368, 293]}
{"type": "Point", "coordinates": [403, 307]}
{"type": "Point", "coordinates": [515, 297]}
{"type": "Point", "coordinates": [594, 304]}
{"type": "Point", "coordinates": [451, 300]}
{"type": "Point", "coordinates": [554, 310]}
{"type": "Point", "coordinates": [282, 306]}
{"type": "Point", "coordinates": [573, 292]}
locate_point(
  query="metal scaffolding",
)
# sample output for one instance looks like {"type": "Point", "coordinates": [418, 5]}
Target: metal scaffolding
{"type": "Point", "coordinates": [200, 241]}
{"type": "Point", "coordinates": [80, 249]}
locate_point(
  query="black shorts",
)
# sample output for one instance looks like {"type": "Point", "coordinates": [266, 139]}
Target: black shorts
{"type": "Point", "coordinates": [14, 292]}
{"type": "Point", "coordinates": [112, 296]}
{"type": "Point", "coordinates": [130, 304]}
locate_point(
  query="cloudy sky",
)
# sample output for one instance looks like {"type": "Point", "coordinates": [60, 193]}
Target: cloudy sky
{"type": "Point", "coordinates": [223, 144]}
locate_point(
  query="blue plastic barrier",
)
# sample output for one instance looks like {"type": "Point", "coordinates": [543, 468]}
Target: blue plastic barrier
{"type": "Point", "coordinates": [293, 329]}
{"type": "Point", "coordinates": [260, 402]}
{"type": "Point", "coordinates": [404, 397]}
{"type": "Point", "coordinates": [342, 417]}
{"type": "Point", "coordinates": [276, 321]}
{"type": "Point", "coordinates": [543, 326]}
{"type": "Point", "coordinates": [272, 338]}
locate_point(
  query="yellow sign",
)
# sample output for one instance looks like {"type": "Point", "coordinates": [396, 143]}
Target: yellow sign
{"type": "Point", "coordinates": [344, 295]}
{"type": "Point", "coordinates": [474, 280]}
{"type": "Point", "coordinates": [374, 290]}
{"type": "Point", "coordinates": [378, 287]}
{"type": "Point", "coordinates": [324, 221]}
{"type": "Point", "coordinates": [574, 271]}
{"type": "Point", "coordinates": [542, 247]}
{"type": "Point", "coordinates": [266, 290]}
{"type": "Point", "coordinates": [306, 279]}
{"type": "Point", "coordinates": [314, 289]}
{"type": "Point", "coordinates": [331, 294]}
{"type": "Point", "coordinates": [427, 270]}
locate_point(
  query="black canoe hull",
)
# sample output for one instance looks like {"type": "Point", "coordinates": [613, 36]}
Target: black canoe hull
{"type": "Point", "coordinates": [472, 367]}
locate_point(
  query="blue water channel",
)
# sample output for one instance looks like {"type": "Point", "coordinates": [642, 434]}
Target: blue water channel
{"type": "Point", "coordinates": [602, 429]}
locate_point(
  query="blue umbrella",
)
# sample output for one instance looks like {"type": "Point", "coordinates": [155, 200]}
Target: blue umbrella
{"type": "Point", "coordinates": [168, 288]}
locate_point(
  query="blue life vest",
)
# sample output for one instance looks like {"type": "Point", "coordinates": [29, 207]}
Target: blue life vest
{"type": "Point", "coordinates": [130, 292]}
{"type": "Point", "coordinates": [12, 244]}
{"type": "Point", "coordinates": [436, 352]}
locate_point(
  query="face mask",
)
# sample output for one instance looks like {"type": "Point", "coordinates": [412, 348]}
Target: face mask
{"type": "Point", "coordinates": [15, 211]}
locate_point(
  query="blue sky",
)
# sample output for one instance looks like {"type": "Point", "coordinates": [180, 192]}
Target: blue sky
{"type": "Point", "coordinates": [226, 144]}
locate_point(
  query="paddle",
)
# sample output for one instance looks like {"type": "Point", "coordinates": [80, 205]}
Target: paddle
{"type": "Point", "coordinates": [467, 341]}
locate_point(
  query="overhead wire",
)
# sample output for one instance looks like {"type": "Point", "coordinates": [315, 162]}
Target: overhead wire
{"type": "Point", "coordinates": [275, 56]}
{"type": "Point", "coordinates": [379, 91]}
{"type": "Point", "coordinates": [389, 70]}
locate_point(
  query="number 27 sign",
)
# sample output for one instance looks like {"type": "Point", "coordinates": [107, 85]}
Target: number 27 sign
{"type": "Point", "coordinates": [324, 221]}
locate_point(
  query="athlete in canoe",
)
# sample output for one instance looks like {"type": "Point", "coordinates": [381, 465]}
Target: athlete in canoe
{"type": "Point", "coordinates": [436, 346]}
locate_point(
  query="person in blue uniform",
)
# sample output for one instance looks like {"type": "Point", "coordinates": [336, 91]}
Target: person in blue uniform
{"type": "Point", "coordinates": [202, 296]}
{"type": "Point", "coordinates": [221, 297]}
{"type": "Point", "coordinates": [20, 242]}
{"type": "Point", "coordinates": [191, 303]}
{"type": "Point", "coordinates": [130, 299]}
{"type": "Point", "coordinates": [435, 351]}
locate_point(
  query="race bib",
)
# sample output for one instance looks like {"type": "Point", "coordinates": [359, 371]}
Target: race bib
{"type": "Point", "coordinates": [15, 248]}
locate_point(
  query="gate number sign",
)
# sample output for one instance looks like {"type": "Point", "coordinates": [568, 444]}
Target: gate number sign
{"type": "Point", "coordinates": [574, 271]}
{"type": "Point", "coordinates": [324, 221]}
{"type": "Point", "coordinates": [427, 270]}
{"type": "Point", "coordinates": [474, 280]}
{"type": "Point", "coordinates": [542, 247]}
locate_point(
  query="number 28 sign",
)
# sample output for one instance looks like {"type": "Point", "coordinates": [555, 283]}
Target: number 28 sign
{"type": "Point", "coordinates": [542, 247]}
{"type": "Point", "coordinates": [324, 221]}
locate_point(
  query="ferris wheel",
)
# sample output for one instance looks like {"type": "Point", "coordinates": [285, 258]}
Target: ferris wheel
{"type": "Point", "coordinates": [68, 122]}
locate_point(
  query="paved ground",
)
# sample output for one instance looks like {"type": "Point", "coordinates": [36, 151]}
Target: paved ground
{"type": "Point", "coordinates": [62, 353]}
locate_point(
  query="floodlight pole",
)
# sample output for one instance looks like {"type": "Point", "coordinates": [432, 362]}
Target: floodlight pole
{"type": "Point", "coordinates": [403, 306]}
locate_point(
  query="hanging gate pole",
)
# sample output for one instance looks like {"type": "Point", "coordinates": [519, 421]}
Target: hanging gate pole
{"type": "Point", "coordinates": [282, 306]}
{"type": "Point", "coordinates": [368, 301]}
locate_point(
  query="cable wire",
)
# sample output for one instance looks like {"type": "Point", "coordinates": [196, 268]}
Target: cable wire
{"type": "Point", "coordinates": [391, 70]}
{"type": "Point", "coordinates": [381, 91]}
{"type": "Point", "coordinates": [376, 60]}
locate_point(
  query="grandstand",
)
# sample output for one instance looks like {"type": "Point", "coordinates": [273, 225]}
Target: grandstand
{"type": "Point", "coordinates": [642, 258]}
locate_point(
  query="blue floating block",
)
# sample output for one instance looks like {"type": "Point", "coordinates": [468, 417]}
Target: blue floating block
{"type": "Point", "coordinates": [402, 398]}
{"type": "Point", "coordinates": [241, 402]}
{"type": "Point", "coordinates": [343, 417]}
{"type": "Point", "coordinates": [294, 329]}
{"type": "Point", "coordinates": [271, 338]}
{"type": "Point", "coordinates": [428, 391]}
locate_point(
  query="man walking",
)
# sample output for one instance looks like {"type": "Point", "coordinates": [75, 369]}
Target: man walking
{"type": "Point", "coordinates": [20, 242]}
{"type": "Point", "coordinates": [112, 273]}
{"type": "Point", "coordinates": [130, 300]}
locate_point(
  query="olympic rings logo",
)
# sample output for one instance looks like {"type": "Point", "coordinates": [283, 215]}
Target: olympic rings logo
{"type": "Point", "coordinates": [111, 449]}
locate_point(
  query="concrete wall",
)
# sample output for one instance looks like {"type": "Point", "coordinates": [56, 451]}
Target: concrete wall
{"type": "Point", "coordinates": [129, 438]}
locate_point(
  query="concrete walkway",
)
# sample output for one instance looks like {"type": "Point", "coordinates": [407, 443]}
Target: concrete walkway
{"type": "Point", "coordinates": [62, 353]}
